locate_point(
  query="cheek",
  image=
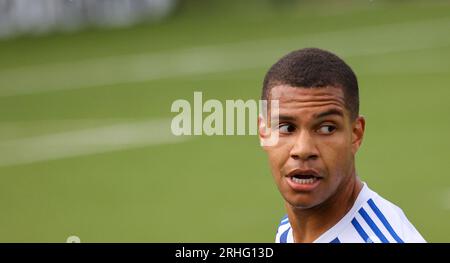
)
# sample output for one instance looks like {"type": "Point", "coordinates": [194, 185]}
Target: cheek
{"type": "Point", "coordinates": [336, 151]}
{"type": "Point", "coordinates": [278, 156]}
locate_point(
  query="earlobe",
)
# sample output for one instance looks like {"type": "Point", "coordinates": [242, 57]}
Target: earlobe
{"type": "Point", "coordinates": [262, 128]}
{"type": "Point", "coordinates": [358, 133]}
{"type": "Point", "coordinates": [263, 131]}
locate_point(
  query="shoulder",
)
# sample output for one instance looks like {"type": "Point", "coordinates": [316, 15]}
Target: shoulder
{"type": "Point", "coordinates": [387, 221]}
{"type": "Point", "coordinates": [283, 229]}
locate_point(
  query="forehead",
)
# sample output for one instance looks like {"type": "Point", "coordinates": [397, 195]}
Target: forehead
{"type": "Point", "coordinates": [308, 100]}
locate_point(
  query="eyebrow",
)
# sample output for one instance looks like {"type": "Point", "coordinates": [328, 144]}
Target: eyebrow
{"type": "Point", "coordinates": [316, 116]}
{"type": "Point", "coordinates": [328, 113]}
{"type": "Point", "coordinates": [286, 118]}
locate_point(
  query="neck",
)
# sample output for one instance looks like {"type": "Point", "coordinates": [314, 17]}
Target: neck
{"type": "Point", "coordinates": [308, 224]}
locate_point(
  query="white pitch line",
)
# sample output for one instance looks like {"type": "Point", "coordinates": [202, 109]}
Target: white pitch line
{"type": "Point", "coordinates": [25, 128]}
{"type": "Point", "coordinates": [361, 41]}
{"type": "Point", "coordinates": [87, 141]}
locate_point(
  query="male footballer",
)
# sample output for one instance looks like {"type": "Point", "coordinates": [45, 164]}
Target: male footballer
{"type": "Point", "coordinates": [313, 163]}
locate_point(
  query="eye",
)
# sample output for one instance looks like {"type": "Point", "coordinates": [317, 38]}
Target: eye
{"type": "Point", "coordinates": [326, 129]}
{"type": "Point", "coordinates": [286, 128]}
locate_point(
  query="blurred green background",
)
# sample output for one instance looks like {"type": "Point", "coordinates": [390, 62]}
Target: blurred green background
{"type": "Point", "coordinates": [84, 120]}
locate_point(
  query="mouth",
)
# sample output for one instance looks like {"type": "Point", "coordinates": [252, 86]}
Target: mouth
{"type": "Point", "coordinates": [304, 179]}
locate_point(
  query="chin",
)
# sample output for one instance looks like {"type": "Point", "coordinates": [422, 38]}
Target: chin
{"type": "Point", "coordinates": [302, 202]}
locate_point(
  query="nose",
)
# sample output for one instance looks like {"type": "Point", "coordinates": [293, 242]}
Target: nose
{"type": "Point", "coordinates": [304, 148]}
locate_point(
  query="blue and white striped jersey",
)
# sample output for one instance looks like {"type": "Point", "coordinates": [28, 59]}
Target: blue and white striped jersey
{"type": "Point", "coordinates": [372, 219]}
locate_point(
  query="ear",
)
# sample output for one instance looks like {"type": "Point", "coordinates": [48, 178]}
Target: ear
{"type": "Point", "coordinates": [358, 127]}
{"type": "Point", "coordinates": [263, 131]}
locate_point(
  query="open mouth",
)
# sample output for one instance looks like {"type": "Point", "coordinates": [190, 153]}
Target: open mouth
{"type": "Point", "coordinates": [304, 179]}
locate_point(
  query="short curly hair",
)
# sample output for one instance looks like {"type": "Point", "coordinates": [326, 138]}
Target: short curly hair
{"type": "Point", "coordinates": [314, 68]}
